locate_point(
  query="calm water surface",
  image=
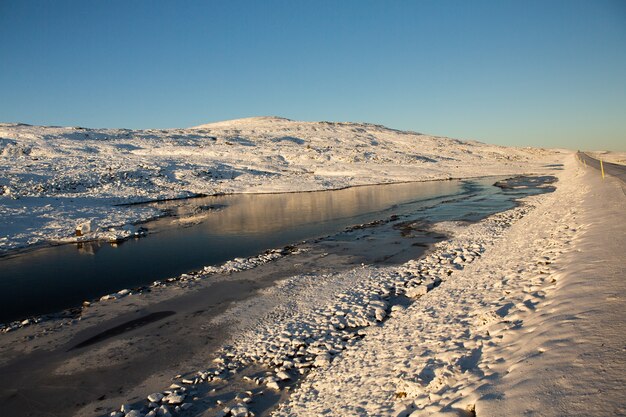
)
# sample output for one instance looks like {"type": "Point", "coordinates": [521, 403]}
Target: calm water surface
{"type": "Point", "coordinates": [212, 230]}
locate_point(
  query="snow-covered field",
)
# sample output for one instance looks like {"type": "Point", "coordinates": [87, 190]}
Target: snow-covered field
{"type": "Point", "coordinates": [53, 179]}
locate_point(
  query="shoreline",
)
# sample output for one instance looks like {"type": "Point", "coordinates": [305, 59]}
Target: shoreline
{"type": "Point", "coordinates": [266, 255]}
{"type": "Point", "coordinates": [67, 240]}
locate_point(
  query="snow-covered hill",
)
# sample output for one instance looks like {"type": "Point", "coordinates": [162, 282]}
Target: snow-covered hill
{"type": "Point", "coordinates": [53, 178]}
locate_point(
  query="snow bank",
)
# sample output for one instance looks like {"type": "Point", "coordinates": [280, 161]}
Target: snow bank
{"type": "Point", "coordinates": [523, 330]}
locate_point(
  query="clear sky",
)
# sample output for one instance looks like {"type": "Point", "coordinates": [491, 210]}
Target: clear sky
{"type": "Point", "coordinates": [524, 72]}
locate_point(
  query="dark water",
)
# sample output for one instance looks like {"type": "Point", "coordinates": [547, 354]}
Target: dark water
{"type": "Point", "coordinates": [212, 230]}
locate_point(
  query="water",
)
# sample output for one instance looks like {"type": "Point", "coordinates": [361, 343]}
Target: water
{"type": "Point", "coordinates": [212, 230]}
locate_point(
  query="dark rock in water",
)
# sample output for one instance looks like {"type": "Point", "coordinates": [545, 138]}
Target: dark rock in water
{"type": "Point", "coordinates": [526, 182]}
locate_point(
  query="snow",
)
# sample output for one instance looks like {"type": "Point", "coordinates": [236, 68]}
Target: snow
{"type": "Point", "coordinates": [525, 330]}
{"type": "Point", "coordinates": [53, 179]}
{"type": "Point", "coordinates": [508, 320]}
{"type": "Point", "coordinates": [518, 314]}
{"type": "Point", "coordinates": [569, 358]}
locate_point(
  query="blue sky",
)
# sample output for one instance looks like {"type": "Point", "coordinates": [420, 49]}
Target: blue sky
{"type": "Point", "coordinates": [535, 73]}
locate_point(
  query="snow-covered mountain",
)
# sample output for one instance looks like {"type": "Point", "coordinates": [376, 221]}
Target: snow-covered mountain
{"type": "Point", "coordinates": [53, 177]}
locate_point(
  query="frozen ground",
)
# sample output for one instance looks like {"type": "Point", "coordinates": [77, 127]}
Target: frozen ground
{"type": "Point", "coordinates": [53, 179]}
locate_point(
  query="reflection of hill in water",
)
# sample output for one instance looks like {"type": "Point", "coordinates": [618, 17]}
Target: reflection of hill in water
{"type": "Point", "coordinates": [262, 213]}
{"type": "Point", "coordinates": [88, 248]}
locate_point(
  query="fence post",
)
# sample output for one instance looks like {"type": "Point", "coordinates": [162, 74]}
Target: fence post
{"type": "Point", "coordinates": [602, 168]}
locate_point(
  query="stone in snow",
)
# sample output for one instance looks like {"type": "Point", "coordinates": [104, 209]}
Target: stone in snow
{"type": "Point", "coordinates": [155, 398]}
{"type": "Point", "coordinates": [108, 297]}
{"type": "Point", "coordinates": [239, 410]}
{"type": "Point", "coordinates": [414, 292]}
{"type": "Point", "coordinates": [273, 385]}
{"type": "Point", "coordinates": [283, 376]}
{"type": "Point", "coordinates": [380, 314]}
{"type": "Point", "coordinates": [163, 411]}
{"type": "Point", "coordinates": [174, 398]}
{"type": "Point", "coordinates": [322, 360]}
{"type": "Point", "coordinates": [84, 228]}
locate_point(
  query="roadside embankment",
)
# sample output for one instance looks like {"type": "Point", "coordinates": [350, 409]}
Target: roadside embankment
{"type": "Point", "coordinates": [533, 326]}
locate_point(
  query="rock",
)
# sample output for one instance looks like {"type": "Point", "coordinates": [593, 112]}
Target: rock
{"type": "Point", "coordinates": [116, 414]}
{"type": "Point", "coordinates": [283, 376]}
{"type": "Point", "coordinates": [380, 314]}
{"type": "Point", "coordinates": [185, 406]}
{"type": "Point", "coordinates": [108, 297]}
{"type": "Point", "coordinates": [163, 411]}
{"type": "Point", "coordinates": [174, 398]}
{"type": "Point", "coordinates": [84, 228]}
{"type": "Point", "coordinates": [125, 408]}
{"type": "Point", "coordinates": [397, 307]}
{"type": "Point", "coordinates": [134, 413]}
{"type": "Point", "coordinates": [239, 410]}
{"type": "Point", "coordinates": [273, 385]}
{"type": "Point", "coordinates": [322, 360]}
{"type": "Point", "coordinates": [155, 398]}
{"type": "Point", "coordinates": [415, 292]}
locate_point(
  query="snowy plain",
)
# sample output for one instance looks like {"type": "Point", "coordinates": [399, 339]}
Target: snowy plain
{"type": "Point", "coordinates": [500, 319]}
